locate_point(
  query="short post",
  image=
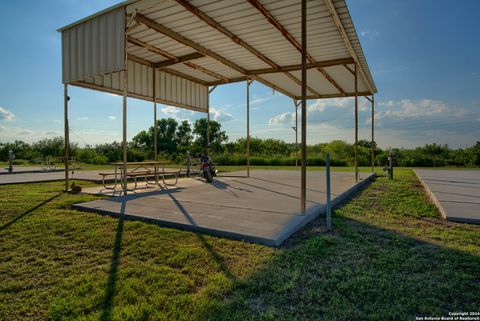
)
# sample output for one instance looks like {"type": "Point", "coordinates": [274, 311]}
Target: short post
{"type": "Point", "coordinates": [329, 205]}
{"type": "Point", "coordinates": [189, 163]}
{"type": "Point", "coordinates": [11, 157]}
{"type": "Point", "coordinates": [390, 164]}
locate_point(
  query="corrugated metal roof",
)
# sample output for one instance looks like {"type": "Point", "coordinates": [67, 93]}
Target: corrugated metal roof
{"type": "Point", "coordinates": [236, 39]}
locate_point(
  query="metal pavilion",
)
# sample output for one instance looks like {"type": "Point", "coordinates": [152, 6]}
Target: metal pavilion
{"type": "Point", "coordinates": [176, 52]}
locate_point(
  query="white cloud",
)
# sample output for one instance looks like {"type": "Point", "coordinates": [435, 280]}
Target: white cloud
{"type": "Point", "coordinates": [320, 105]}
{"type": "Point", "coordinates": [6, 114]}
{"type": "Point", "coordinates": [112, 117]}
{"type": "Point", "coordinates": [369, 34]}
{"type": "Point", "coordinates": [82, 118]}
{"type": "Point", "coordinates": [407, 108]}
{"type": "Point", "coordinates": [11, 133]}
{"type": "Point", "coordinates": [170, 111]}
{"type": "Point", "coordinates": [280, 119]}
{"type": "Point", "coordinates": [260, 100]}
{"type": "Point", "coordinates": [220, 115]}
{"type": "Point", "coordinates": [177, 113]}
{"type": "Point", "coordinates": [57, 121]}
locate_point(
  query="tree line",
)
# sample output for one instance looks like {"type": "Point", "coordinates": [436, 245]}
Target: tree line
{"type": "Point", "coordinates": [175, 138]}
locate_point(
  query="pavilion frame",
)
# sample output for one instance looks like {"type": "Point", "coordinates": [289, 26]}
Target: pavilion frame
{"type": "Point", "coordinates": [307, 62]}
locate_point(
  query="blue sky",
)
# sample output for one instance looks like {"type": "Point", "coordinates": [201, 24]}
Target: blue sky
{"type": "Point", "coordinates": [423, 56]}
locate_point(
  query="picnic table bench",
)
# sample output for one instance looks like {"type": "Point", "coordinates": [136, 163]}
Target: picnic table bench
{"type": "Point", "coordinates": [141, 169]}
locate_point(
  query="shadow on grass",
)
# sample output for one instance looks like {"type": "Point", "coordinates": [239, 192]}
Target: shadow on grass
{"type": "Point", "coordinates": [110, 290]}
{"type": "Point", "coordinates": [114, 266]}
{"type": "Point", "coordinates": [30, 211]}
{"type": "Point", "coordinates": [361, 272]}
{"type": "Point", "coordinates": [215, 255]}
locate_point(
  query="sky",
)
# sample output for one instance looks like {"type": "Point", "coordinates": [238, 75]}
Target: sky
{"type": "Point", "coordinates": [423, 56]}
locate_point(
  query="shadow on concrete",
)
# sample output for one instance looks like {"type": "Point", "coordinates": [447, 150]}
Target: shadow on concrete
{"type": "Point", "coordinates": [30, 211]}
{"type": "Point", "coordinates": [288, 185]}
{"type": "Point", "coordinates": [273, 191]}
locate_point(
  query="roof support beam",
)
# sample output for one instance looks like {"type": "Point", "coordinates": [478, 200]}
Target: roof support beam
{"type": "Point", "coordinates": [292, 40]}
{"type": "Point", "coordinates": [343, 33]}
{"type": "Point", "coordinates": [256, 72]}
{"type": "Point", "coordinates": [231, 80]}
{"type": "Point", "coordinates": [327, 63]}
{"type": "Point", "coordinates": [151, 48]}
{"type": "Point", "coordinates": [173, 72]}
{"type": "Point", "coordinates": [141, 61]}
{"type": "Point", "coordinates": [192, 56]}
{"type": "Point", "coordinates": [174, 59]}
{"type": "Point", "coordinates": [206, 71]}
{"type": "Point", "coordinates": [181, 39]}
{"type": "Point", "coordinates": [350, 69]}
{"type": "Point", "coordinates": [207, 52]}
{"type": "Point", "coordinates": [181, 74]}
{"type": "Point", "coordinates": [275, 87]}
{"type": "Point", "coordinates": [361, 93]}
{"type": "Point", "coordinates": [212, 23]}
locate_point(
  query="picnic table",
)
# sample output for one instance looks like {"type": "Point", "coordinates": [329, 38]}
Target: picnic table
{"type": "Point", "coordinates": [146, 169]}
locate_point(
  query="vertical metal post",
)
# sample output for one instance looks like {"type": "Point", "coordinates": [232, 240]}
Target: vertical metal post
{"type": "Point", "coordinates": [208, 120]}
{"type": "Point", "coordinates": [303, 174]}
{"type": "Point", "coordinates": [248, 126]}
{"type": "Point", "coordinates": [356, 124]}
{"type": "Point", "coordinates": [373, 133]}
{"type": "Point", "coordinates": [125, 93]}
{"type": "Point", "coordinates": [66, 134]}
{"type": "Point", "coordinates": [296, 131]}
{"type": "Point", "coordinates": [329, 205]}
{"type": "Point", "coordinates": [155, 151]}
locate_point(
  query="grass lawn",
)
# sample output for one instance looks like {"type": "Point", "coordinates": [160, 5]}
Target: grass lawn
{"type": "Point", "coordinates": [390, 258]}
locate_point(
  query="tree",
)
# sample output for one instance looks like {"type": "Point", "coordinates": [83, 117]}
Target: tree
{"type": "Point", "coordinates": [184, 136]}
{"type": "Point", "coordinates": [476, 153]}
{"type": "Point", "coordinates": [143, 139]}
{"type": "Point", "coordinates": [50, 147]}
{"type": "Point", "coordinates": [166, 137]}
{"type": "Point", "coordinates": [217, 136]}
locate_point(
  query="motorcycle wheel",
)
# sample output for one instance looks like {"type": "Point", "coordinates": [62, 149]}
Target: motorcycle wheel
{"type": "Point", "coordinates": [208, 175]}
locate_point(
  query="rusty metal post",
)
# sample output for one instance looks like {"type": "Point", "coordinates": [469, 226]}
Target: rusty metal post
{"type": "Point", "coordinates": [356, 124]}
{"type": "Point", "coordinates": [373, 133]}
{"type": "Point", "coordinates": [248, 127]}
{"type": "Point", "coordinates": [329, 204]}
{"type": "Point", "coordinates": [66, 134]}
{"type": "Point", "coordinates": [208, 121]}
{"type": "Point", "coordinates": [303, 175]}
{"type": "Point", "coordinates": [295, 105]}
{"type": "Point", "coordinates": [125, 93]}
{"type": "Point", "coordinates": [155, 151]}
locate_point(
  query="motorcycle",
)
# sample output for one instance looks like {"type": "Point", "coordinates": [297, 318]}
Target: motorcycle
{"type": "Point", "coordinates": [207, 168]}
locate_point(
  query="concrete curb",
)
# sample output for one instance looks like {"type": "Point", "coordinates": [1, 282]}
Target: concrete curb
{"type": "Point", "coordinates": [430, 194]}
{"type": "Point", "coordinates": [32, 172]}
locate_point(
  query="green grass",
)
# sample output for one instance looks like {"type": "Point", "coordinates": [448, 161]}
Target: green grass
{"type": "Point", "coordinates": [390, 258]}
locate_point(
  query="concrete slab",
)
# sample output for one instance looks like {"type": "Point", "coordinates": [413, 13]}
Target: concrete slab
{"type": "Point", "coordinates": [456, 193]}
{"type": "Point", "coordinates": [32, 177]}
{"type": "Point", "coordinates": [27, 169]}
{"type": "Point", "coordinates": [264, 208]}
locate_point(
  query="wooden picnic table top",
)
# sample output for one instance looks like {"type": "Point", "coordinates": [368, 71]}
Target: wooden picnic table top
{"type": "Point", "coordinates": [140, 163]}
